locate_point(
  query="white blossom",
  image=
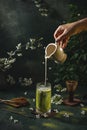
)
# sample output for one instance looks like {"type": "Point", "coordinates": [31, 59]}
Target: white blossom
{"type": "Point", "coordinates": [18, 46]}
{"type": "Point", "coordinates": [25, 93]}
{"type": "Point", "coordinates": [43, 62]}
{"type": "Point", "coordinates": [33, 99]}
{"type": "Point", "coordinates": [50, 68]}
{"type": "Point", "coordinates": [45, 115]}
{"type": "Point", "coordinates": [19, 54]}
{"type": "Point", "coordinates": [27, 45]}
{"type": "Point", "coordinates": [56, 99]}
{"type": "Point", "coordinates": [78, 14]}
{"type": "Point", "coordinates": [55, 110]}
{"type": "Point", "coordinates": [38, 5]}
{"type": "Point", "coordinates": [32, 40]}
{"type": "Point", "coordinates": [64, 90]}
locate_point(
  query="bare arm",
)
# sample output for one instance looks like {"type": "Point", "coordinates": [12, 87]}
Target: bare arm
{"type": "Point", "coordinates": [81, 25]}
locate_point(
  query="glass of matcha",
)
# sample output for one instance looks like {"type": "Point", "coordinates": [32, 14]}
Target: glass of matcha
{"type": "Point", "coordinates": [43, 98]}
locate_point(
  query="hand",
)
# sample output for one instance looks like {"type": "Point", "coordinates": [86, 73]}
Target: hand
{"type": "Point", "coordinates": [63, 34]}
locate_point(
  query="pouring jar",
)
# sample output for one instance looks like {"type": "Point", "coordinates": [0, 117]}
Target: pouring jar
{"type": "Point", "coordinates": [56, 52]}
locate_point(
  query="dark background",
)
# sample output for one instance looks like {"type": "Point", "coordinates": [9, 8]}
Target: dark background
{"type": "Point", "coordinates": [20, 20]}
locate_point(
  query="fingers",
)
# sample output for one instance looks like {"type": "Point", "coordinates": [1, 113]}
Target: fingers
{"type": "Point", "coordinates": [61, 37]}
{"type": "Point", "coordinates": [58, 32]}
{"type": "Point", "coordinates": [62, 42]}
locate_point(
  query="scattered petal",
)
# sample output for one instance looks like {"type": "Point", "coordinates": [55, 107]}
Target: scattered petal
{"type": "Point", "coordinates": [37, 116]}
{"type": "Point", "coordinates": [82, 105]}
{"type": "Point", "coordinates": [83, 112]}
{"type": "Point", "coordinates": [11, 118]}
{"type": "Point", "coordinates": [15, 121]}
{"type": "Point", "coordinates": [66, 115]}
{"type": "Point", "coordinates": [31, 108]}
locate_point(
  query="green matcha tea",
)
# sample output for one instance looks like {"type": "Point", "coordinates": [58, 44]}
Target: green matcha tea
{"type": "Point", "coordinates": [43, 99]}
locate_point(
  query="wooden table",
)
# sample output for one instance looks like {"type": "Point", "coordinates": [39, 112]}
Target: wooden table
{"type": "Point", "coordinates": [23, 119]}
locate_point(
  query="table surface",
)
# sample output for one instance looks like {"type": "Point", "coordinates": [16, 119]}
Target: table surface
{"type": "Point", "coordinates": [23, 119]}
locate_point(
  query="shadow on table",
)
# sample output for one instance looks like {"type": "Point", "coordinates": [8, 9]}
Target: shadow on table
{"type": "Point", "coordinates": [7, 125]}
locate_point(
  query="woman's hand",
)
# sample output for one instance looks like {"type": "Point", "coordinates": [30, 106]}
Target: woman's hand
{"type": "Point", "coordinates": [63, 34]}
{"type": "Point", "coordinates": [65, 31]}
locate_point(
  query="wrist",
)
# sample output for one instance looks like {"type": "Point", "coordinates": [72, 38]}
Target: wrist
{"type": "Point", "coordinates": [81, 25]}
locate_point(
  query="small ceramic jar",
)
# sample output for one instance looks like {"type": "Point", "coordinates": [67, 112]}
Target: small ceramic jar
{"type": "Point", "coordinates": [55, 51]}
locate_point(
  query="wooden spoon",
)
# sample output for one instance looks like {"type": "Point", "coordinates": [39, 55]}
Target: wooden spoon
{"type": "Point", "coordinates": [16, 102]}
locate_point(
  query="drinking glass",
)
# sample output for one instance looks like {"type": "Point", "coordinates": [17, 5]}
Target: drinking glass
{"type": "Point", "coordinates": [43, 98]}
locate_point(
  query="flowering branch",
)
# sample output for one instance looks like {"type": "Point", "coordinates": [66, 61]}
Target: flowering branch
{"type": "Point", "coordinates": [6, 63]}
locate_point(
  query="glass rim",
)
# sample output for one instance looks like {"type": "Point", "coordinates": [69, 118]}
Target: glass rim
{"type": "Point", "coordinates": [42, 84]}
